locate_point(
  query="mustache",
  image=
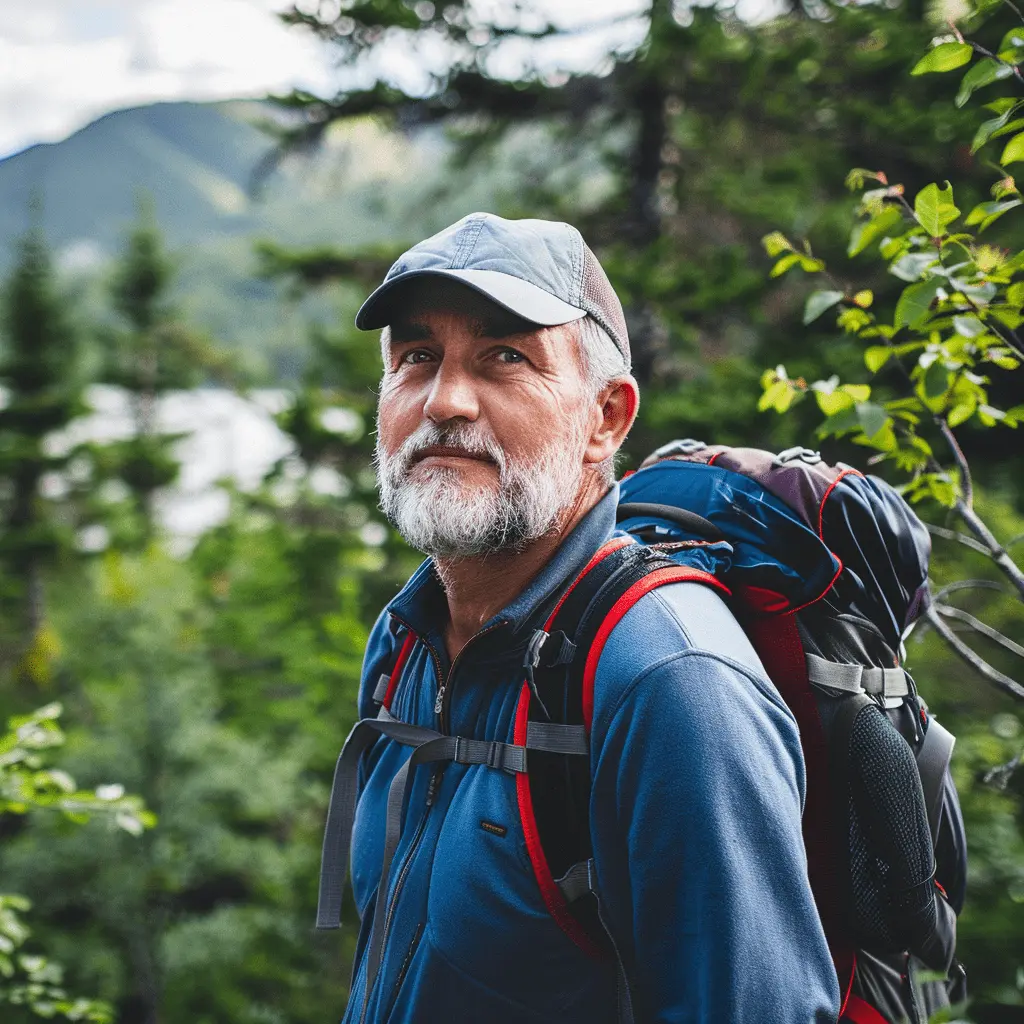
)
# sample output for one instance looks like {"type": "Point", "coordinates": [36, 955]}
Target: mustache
{"type": "Point", "coordinates": [462, 436]}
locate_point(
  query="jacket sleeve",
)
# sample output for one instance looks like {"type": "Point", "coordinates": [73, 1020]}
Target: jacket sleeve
{"type": "Point", "coordinates": [695, 817]}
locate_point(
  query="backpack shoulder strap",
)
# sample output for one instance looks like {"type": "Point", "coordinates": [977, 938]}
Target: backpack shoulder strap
{"type": "Point", "coordinates": [933, 759]}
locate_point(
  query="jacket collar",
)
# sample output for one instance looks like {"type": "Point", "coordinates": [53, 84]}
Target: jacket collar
{"type": "Point", "coordinates": [422, 605]}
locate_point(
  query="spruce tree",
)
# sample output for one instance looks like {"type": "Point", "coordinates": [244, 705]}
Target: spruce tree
{"type": "Point", "coordinates": [42, 394]}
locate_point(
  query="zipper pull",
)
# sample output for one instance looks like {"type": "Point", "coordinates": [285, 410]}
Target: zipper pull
{"type": "Point", "coordinates": [439, 703]}
{"type": "Point", "coordinates": [432, 788]}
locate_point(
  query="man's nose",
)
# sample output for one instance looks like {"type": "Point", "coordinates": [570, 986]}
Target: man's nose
{"type": "Point", "coordinates": [452, 395]}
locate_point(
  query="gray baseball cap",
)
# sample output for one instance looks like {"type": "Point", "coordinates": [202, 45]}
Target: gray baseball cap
{"type": "Point", "coordinates": [541, 270]}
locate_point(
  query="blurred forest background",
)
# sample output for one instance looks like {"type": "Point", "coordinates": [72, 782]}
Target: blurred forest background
{"type": "Point", "coordinates": [191, 554]}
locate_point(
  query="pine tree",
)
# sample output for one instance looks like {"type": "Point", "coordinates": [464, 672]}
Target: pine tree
{"type": "Point", "coordinates": [151, 353]}
{"type": "Point", "coordinates": [43, 393]}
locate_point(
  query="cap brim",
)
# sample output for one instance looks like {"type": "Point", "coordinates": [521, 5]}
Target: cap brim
{"type": "Point", "coordinates": [511, 293]}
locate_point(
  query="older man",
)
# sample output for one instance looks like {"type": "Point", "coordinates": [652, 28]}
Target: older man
{"type": "Point", "coordinates": [506, 394]}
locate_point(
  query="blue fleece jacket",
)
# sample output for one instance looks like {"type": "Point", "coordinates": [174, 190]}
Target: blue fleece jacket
{"type": "Point", "coordinates": [695, 820]}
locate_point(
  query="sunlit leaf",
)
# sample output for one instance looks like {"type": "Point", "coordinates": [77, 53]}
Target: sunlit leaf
{"type": "Point", "coordinates": [776, 243]}
{"type": "Point", "coordinates": [868, 231]}
{"type": "Point", "coordinates": [934, 208]}
{"type": "Point", "coordinates": [912, 265]}
{"type": "Point", "coordinates": [1013, 151]}
{"type": "Point", "coordinates": [818, 302]}
{"type": "Point", "coordinates": [985, 72]}
{"type": "Point", "coordinates": [944, 57]}
{"type": "Point", "coordinates": [876, 357]}
{"type": "Point", "coordinates": [915, 303]}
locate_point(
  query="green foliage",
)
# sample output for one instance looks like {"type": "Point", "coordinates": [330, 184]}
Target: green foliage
{"type": "Point", "coordinates": [29, 980]}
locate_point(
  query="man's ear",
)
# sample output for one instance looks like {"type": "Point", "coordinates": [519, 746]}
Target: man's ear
{"type": "Point", "coordinates": [619, 401]}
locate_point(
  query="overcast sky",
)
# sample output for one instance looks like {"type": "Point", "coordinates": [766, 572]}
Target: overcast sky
{"type": "Point", "coordinates": [65, 62]}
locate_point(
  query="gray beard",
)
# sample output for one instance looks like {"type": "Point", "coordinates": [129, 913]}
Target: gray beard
{"type": "Point", "coordinates": [439, 516]}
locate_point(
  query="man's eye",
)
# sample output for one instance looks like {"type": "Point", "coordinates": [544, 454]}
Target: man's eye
{"type": "Point", "coordinates": [510, 355]}
{"type": "Point", "coordinates": [416, 355]}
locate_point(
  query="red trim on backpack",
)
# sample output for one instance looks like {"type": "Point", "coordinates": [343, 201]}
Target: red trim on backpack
{"type": "Point", "coordinates": [396, 672]}
{"type": "Point", "coordinates": [711, 461]}
{"type": "Point", "coordinates": [551, 894]}
{"type": "Point", "coordinates": [778, 645]}
{"type": "Point", "coordinates": [602, 552]}
{"type": "Point", "coordinates": [831, 487]}
{"type": "Point", "coordinates": [859, 1012]}
{"type": "Point", "coordinates": [658, 578]}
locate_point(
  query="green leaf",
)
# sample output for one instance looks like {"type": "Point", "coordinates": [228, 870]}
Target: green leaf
{"type": "Point", "coordinates": [945, 57]}
{"type": "Point", "coordinates": [1013, 151]}
{"type": "Point", "coordinates": [773, 394]}
{"type": "Point", "coordinates": [914, 305]}
{"type": "Point", "coordinates": [985, 72]}
{"type": "Point", "coordinates": [934, 208]}
{"type": "Point", "coordinates": [988, 128]}
{"type": "Point", "coordinates": [911, 266]}
{"type": "Point", "coordinates": [936, 380]}
{"type": "Point", "coordinates": [876, 357]}
{"type": "Point", "coordinates": [784, 264]}
{"type": "Point", "coordinates": [776, 243]}
{"type": "Point", "coordinates": [818, 302]}
{"type": "Point", "coordinates": [868, 231]}
{"type": "Point", "coordinates": [833, 402]}
{"type": "Point", "coordinates": [968, 326]}
{"type": "Point", "coordinates": [1015, 294]}
{"type": "Point", "coordinates": [985, 210]}
{"type": "Point", "coordinates": [961, 412]}
{"type": "Point", "coordinates": [872, 418]}
{"type": "Point", "coordinates": [1001, 105]}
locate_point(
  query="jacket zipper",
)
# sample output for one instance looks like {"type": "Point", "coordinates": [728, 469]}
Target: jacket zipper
{"type": "Point", "coordinates": [406, 864]}
{"type": "Point", "coordinates": [403, 970]}
{"type": "Point", "coordinates": [441, 706]}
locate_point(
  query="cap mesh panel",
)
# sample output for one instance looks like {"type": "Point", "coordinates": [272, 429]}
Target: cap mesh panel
{"type": "Point", "coordinates": [601, 302]}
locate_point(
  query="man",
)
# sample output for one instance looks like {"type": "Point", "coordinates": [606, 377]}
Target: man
{"type": "Point", "coordinates": [506, 394]}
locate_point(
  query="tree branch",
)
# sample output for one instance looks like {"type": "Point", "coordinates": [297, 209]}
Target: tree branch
{"type": "Point", "coordinates": [952, 612]}
{"type": "Point", "coordinates": [1004, 682]}
{"type": "Point", "coordinates": [996, 551]}
{"type": "Point", "coordinates": [941, 531]}
{"type": "Point", "coordinates": [966, 484]}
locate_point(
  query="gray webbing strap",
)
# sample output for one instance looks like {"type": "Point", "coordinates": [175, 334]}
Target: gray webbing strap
{"type": "Point", "coordinates": [380, 691]}
{"type": "Point", "coordinates": [503, 756]}
{"type": "Point", "coordinates": [932, 762]}
{"type": "Point", "coordinates": [578, 881]}
{"type": "Point", "coordinates": [886, 682]}
{"type": "Point", "coordinates": [581, 880]}
{"type": "Point", "coordinates": [341, 810]}
{"type": "Point", "coordinates": [557, 739]}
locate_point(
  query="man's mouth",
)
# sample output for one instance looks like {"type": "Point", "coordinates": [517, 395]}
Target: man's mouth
{"type": "Point", "coordinates": [449, 452]}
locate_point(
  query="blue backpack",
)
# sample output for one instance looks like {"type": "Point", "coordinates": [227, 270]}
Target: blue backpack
{"type": "Point", "coordinates": [824, 568]}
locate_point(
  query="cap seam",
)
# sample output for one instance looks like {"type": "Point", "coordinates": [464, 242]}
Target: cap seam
{"type": "Point", "coordinates": [467, 245]}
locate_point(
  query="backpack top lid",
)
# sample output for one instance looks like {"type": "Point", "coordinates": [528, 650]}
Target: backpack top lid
{"type": "Point", "coordinates": [797, 526]}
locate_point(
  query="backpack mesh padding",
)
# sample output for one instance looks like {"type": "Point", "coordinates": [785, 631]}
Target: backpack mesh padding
{"type": "Point", "coordinates": [891, 864]}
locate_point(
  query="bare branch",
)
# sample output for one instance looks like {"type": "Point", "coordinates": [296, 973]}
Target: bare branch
{"type": "Point", "coordinates": [1004, 682]}
{"type": "Point", "coordinates": [1016, 10]}
{"type": "Point", "coordinates": [941, 531]}
{"type": "Point", "coordinates": [966, 484]}
{"type": "Point", "coordinates": [996, 551]}
{"type": "Point", "coordinates": [952, 612]}
{"type": "Point", "coordinates": [968, 585]}
{"type": "Point", "coordinates": [1002, 773]}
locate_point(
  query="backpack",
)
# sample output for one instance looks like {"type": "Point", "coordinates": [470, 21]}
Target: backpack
{"type": "Point", "coordinates": [824, 568]}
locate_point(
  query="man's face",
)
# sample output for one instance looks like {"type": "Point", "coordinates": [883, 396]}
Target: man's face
{"type": "Point", "coordinates": [482, 424]}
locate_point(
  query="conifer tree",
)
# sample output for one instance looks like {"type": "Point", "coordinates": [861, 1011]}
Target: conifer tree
{"type": "Point", "coordinates": [149, 354]}
{"type": "Point", "coordinates": [43, 393]}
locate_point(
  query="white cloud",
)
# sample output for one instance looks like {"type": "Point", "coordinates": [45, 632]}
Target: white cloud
{"type": "Point", "coordinates": [63, 62]}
